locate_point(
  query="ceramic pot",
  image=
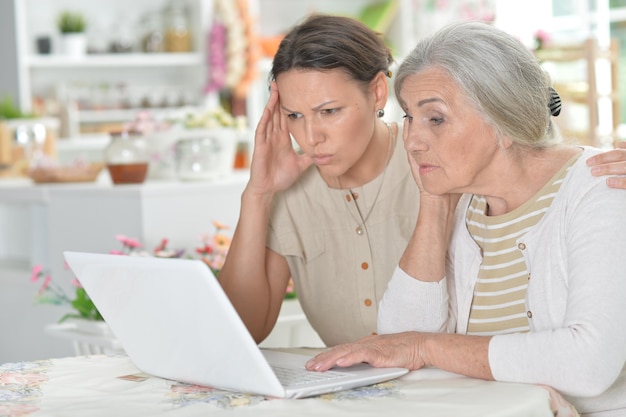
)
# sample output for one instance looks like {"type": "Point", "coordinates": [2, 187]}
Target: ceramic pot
{"type": "Point", "coordinates": [74, 45]}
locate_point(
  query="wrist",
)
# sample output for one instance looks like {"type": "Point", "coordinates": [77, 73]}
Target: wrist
{"type": "Point", "coordinates": [424, 349]}
{"type": "Point", "coordinates": [258, 200]}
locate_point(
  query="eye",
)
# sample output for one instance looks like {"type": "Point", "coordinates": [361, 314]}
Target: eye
{"type": "Point", "coordinates": [294, 116]}
{"type": "Point", "coordinates": [329, 111]}
{"type": "Point", "coordinates": [436, 120]}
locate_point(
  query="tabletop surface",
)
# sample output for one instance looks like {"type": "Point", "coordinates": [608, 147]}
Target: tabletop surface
{"type": "Point", "coordinates": [110, 385]}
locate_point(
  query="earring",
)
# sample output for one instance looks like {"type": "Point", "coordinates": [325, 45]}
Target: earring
{"type": "Point", "coordinates": [380, 113]}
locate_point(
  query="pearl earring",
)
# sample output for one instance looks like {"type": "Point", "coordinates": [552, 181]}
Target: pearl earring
{"type": "Point", "coordinates": [380, 113]}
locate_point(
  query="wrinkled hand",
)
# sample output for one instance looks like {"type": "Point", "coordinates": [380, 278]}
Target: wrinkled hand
{"type": "Point", "coordinates": [398, 350]}
{"type": "Point", "coordinates": [275, 165]}
{"type": "Point", "coordinates": [612, 162]}
{"type": "Point", "coordinates": [425, 196]}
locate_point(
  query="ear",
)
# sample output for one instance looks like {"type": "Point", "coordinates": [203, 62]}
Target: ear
{"type": "Point", "coordinates": [380, 88]}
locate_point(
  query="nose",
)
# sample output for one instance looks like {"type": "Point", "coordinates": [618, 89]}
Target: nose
{"type": "Point", "coordinates": [413, 137]}
{"type": "Point", "coordinates": [313, 133]}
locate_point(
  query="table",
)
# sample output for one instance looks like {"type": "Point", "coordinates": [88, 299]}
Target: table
{"type": "Point", "coordinates": [110, 385]}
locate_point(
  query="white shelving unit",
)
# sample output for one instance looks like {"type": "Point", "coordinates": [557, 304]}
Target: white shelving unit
{"type": "Point", "coordinates": [131, 60]}
{"type": "Point", "coordinates": [53, 75]}
{"type": "Point", "coordinates": [40, 74]}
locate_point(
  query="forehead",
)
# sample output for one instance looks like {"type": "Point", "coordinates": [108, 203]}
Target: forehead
{"type": "Point", "coordinates": [432, 83]}
{"type": "Point", "coordinates": [313, 86]}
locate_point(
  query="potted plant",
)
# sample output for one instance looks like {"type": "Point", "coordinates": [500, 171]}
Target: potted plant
{"type": "Point", "coordinates": [72, 24]}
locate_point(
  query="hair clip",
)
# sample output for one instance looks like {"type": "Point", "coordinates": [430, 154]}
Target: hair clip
{"type": "Point", "coordinates": [555, 102]}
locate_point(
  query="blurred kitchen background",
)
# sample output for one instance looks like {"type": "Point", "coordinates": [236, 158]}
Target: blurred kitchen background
{"type": "Point", "coordinates": [173, 89]}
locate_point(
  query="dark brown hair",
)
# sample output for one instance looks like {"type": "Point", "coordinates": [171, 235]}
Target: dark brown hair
{"type": "Point", "coordinates": [326, 42]}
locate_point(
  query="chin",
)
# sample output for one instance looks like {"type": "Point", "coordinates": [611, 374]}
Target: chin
{"type": "Point", "coordinates": [330, 170]}
{"type": "Point", "coordinates": [438, 191]}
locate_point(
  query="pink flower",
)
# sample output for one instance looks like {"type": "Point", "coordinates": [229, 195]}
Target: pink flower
{"type": "Point", "coordinates": [36, 273]}
{"type": "Point", "coordinates": [542, 35]}
{"type": "Point", "coordinates": [128, 242]}
{"type": "Point", "coordinates": [121, 238]}
{"type": "Point", "coordinates": [162, 246]}
{"type": "Point", "coordinates": [133, 243]}
{"type": "Point", "coordinates": [76, 283]}
{"type": "Point", "coordinates": [46, 284]}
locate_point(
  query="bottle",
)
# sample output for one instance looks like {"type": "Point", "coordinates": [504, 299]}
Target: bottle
{"type": "Point", "coordinates": [126, 158]}
{"type": "Point", "coordinates": [177, 33]}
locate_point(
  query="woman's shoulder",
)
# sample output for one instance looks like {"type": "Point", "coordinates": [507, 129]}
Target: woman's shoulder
{"type": "Point", "coordinates": [580, 172]}
{"type": "Point", "coordinates": [581, 187]}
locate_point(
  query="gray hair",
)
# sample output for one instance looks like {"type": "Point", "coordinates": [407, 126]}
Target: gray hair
{"type": "Point", "coordinates": [500, 76]}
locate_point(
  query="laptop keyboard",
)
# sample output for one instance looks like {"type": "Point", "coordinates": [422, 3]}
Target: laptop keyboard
{"type": "Point", "coordinates": [290, 377]}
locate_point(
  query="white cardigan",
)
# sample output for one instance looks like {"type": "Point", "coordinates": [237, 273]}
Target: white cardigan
{"type": "Point", "coordinates": [576, 256]}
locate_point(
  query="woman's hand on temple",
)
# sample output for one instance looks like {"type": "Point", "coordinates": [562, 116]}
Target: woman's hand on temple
{"type": "Point", "coordinates": [612, 162]}
{"type": "Point", "coordinates": [275, 164]}
{"type": "Point", "coordinates": [398, 350]}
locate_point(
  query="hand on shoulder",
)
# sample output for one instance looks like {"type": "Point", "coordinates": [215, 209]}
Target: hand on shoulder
{"type": "Point", "coordinates": [610, 163]}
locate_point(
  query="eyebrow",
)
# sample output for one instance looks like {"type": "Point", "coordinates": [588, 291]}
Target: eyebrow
{"type": "Point", "coordinates": [316, 108]}
{"type": "Point", "coordinates": [428, 100]}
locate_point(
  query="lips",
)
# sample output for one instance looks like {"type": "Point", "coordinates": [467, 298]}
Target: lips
{"type": "Point", "coordinates": [322, 159]}
{"type": "Point", "coordinates": [426, 168]}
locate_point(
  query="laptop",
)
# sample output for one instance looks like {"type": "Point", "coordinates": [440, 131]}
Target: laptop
{"type": "Point", "coordinates": [174, 321]}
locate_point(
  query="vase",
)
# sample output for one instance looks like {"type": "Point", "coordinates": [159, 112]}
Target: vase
{"type": "Point", "coordinates": [206, 154]}
{"type": "Point", "coordinates": [126, 158]}
{"type": "Point", "coordinates": [95, 327]}
{"type": "Point", "coordinates": [88, 337]}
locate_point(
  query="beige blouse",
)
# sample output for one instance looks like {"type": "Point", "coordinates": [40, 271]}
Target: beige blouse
{"type": "Point", "coordinates": [339, 274]}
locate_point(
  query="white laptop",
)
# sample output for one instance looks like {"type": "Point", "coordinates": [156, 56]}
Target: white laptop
{"type": "Point", "coordinates": [174, 321]}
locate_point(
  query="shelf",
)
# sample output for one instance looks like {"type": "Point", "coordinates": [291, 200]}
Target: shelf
{"type": "Point", "coordinates": [123, 115]}
{"type": "Point", "coordinates": [115, 60]}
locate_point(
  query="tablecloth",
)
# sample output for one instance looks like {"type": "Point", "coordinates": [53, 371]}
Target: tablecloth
{"type": "Point", "coordinates": [110, 385]}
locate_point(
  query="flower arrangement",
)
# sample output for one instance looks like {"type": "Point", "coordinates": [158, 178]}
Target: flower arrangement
{"type": "Point", "coordinates": [212, 251]}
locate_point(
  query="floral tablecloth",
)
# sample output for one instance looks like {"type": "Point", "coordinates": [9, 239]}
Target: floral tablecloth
{"type": "Point", "coordinates": [103, 385]}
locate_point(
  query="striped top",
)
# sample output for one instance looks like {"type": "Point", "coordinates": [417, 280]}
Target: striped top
{"type": "Point", "coordinates": [499, 303]}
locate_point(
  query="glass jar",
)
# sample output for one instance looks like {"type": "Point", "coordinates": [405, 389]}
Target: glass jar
{"type": "Point", "coordinates": [152, 39]}
{"type": "Point", "coordinates": [177, 32]}
{"type": "Point", "coordinates": [198, 158]}
{"type": "Point", "coordinates": [126, 158]}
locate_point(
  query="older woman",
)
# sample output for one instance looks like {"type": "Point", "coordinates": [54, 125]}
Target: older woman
{"type": "Point", "coordinates": [525, 280]}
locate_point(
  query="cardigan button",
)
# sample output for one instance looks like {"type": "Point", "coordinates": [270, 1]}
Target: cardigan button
{"type": "Point", "coordinates": [521, 246]}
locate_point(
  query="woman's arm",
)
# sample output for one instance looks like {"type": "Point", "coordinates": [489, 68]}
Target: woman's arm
{"type": "Point", "coordinates": [422, 265]}
{"type": "Point", "coordinates": [582, 354]}
{"type": "Point", "coordinates": [465, 355]}
{"type": "Point", "coordinates": [254, 277]}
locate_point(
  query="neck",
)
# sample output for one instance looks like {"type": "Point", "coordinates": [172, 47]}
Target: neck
{"type": "Point", "coordinates": [372, 162]}
{"type": "Point", "coordinates": [517, 180]}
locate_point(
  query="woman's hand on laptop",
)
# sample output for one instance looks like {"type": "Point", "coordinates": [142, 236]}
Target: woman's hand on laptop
{"type": "Point", "coordinates": [398, 350]}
